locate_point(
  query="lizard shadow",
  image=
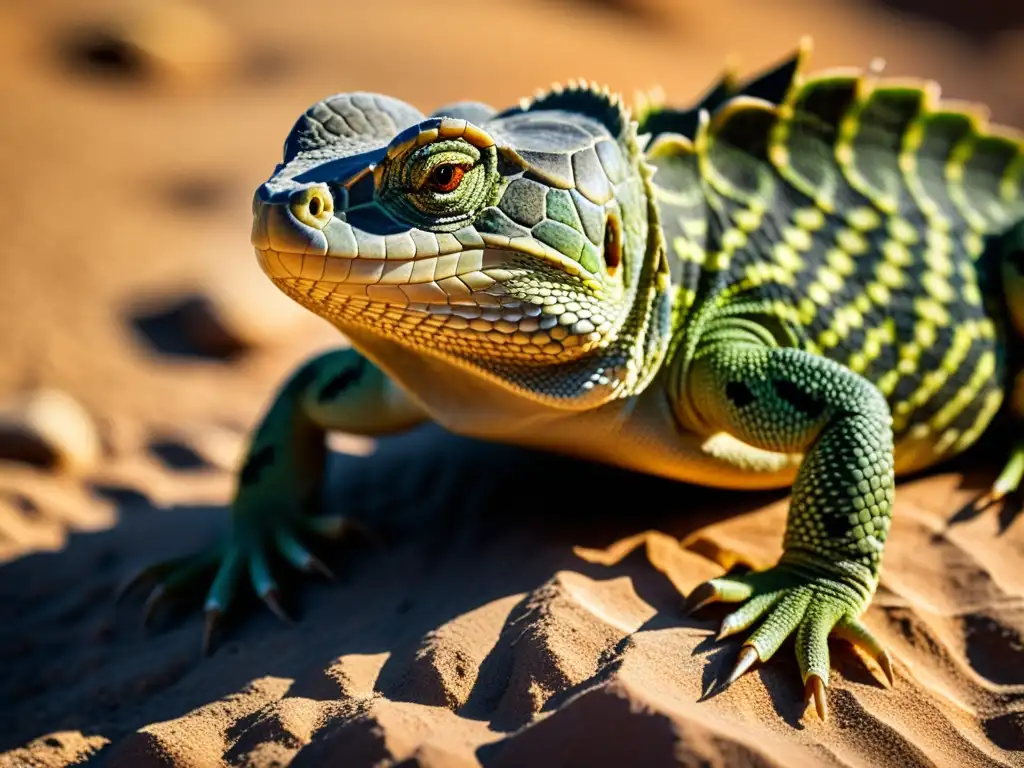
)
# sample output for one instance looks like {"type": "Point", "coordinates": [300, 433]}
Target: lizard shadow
{"type": "Point", "coordinates": [462, 524]}
{"type": "Point", "coordinates": [585, 509]}
{"type": "Point", "coordinates": [977, 466]}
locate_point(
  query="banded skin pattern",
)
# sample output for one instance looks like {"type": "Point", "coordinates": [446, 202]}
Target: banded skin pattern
{"type": "Point", "coordinates": [806, 281]}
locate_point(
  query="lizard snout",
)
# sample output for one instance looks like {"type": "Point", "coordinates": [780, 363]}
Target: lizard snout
{"type": "Point", "coordinates": [293, 221]}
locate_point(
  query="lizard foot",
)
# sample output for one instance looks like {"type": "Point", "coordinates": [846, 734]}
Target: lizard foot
{"type": "Point", "coordinates": [246, 551]}
{"type": "Point", "coordinates": [787, 599]}
{"type": "Point", "coordinates": [1008, 480]}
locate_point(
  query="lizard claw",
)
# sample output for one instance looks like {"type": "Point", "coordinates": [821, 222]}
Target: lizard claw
{"type": "Point", "coordinates": [211, 621]}
{"type": "Point", "coordinates": [1008, 481]}
{"type": "Point", "coordinates": [295, 553]}
{"type": "Point", "coordinates": [747, 658]}
{"type": "Point", "coordinates": [157, 595]}
{"type": "Point", "coordinates": [272, 598]}
{"type": "Point", "coordinates": [857, 634]}
{"type": "Point", "coordinates": [126, 586]}
{"type": "Point", "coordinates": [698, 598]}
{"type": "Point", "coordinates": [885, 662]}
{"type": "Point", "coordinates": [315, 564]}
{"type": "Point", "coordinates": [143, 575]}
{"type": "Point", "coordinates": [724, 590]}
{"type": "Point", "coordinates": [815, 689]}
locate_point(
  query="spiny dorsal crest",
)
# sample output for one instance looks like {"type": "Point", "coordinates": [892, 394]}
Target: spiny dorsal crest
{"type": "Point", "coordinates": [585, 98]}
{"type": "Point", "coordinates": [772, 85]}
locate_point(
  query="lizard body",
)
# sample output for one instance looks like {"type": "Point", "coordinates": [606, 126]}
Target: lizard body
{"type": "Point", "coordinates": [802, 280]}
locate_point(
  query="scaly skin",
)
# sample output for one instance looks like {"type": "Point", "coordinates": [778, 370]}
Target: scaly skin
{"type": "Point", "coordinates": [796, 282]}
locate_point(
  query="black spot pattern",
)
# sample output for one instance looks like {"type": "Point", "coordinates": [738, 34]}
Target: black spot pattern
{"type": "Point", "coordinates": [739, 393]}
{"type": "Point", "coordinates": [803, 402]}
{"type": "Point", "coordinates": [340, 383]}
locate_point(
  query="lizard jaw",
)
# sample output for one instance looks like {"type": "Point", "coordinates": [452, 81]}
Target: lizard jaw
{"type": "Point", "coordinates": [479, 293]}
{"type": "Point", "coordinates": [471, 277]}
{"type": "Point", "coordinates": [481, 317]}
{"type": "Point", "coordinates": [395, 297]}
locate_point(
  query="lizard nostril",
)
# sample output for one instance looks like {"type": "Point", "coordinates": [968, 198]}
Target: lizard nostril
{"type": "Point", "coordinates": [313, 206]}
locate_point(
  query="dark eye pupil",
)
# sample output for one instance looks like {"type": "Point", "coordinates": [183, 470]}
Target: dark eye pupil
{"type": "Point", "coordinates": [444, 175]}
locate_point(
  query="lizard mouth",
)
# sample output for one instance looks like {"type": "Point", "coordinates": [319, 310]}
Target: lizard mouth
{"type": "Point", "coordinates": [505, 290]}
{"type": "Point", "coordinates": [468, 287]}
{"type": "Point", "coordinates": [292, 244]}
{"type": "Point", "coordinates": [462, 277]}
{"type": "Point", "coordinates": [462, 293]}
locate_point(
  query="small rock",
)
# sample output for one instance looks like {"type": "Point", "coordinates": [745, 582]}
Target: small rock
{"type": "Point", "coordinates": [242, 308]}
{"type": "Point", "coordinates": [230, 312]}
{"type": "Point", "coordinates": [177, 455]}
{"type": "Point", "coordinates": [49, 428]}
{"type": "Point", "coordinates": [198, 194]}
{"type": "Point", "coordinates": [158, 39]}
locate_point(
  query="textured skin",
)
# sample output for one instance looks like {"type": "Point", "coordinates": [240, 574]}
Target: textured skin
{"type": "Point", "coordinates": [806, 281]}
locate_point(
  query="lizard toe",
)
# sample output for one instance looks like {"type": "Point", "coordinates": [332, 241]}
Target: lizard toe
{"type": "Point", "coordinates": [853, 631]}
{"type": "Point", "coordinates": [172, 581]}
{"type": "Point", "coordinates": [296, 553]}
{"type": "Point", "coordinates": [723, 590]}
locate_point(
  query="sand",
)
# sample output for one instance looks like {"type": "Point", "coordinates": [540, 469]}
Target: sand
{"type": "Point", "coordinates": [483, 623]}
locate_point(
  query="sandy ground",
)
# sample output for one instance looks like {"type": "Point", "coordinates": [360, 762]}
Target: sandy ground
{"type": "Point", "coordinates": [486, 625]}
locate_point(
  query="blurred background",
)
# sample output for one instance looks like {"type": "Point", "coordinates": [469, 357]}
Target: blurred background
{"type": "Point", "coordinates": [133, 134]}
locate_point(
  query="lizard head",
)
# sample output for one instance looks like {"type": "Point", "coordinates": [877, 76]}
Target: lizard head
{"type": "Point", "coordinates": [519, 235]}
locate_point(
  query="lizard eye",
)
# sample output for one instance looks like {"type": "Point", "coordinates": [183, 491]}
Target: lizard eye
{"type": "Point", "coordinates": [440, 185]}
{"type": "Point", "coordinates": [445, 178]}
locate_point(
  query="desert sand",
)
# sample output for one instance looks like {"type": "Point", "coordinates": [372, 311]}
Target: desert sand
{"type": "Point", "coordinates": [481, 622]}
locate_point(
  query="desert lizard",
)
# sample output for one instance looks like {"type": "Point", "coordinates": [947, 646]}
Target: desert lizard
{"type": "Point", "coordinates": [805, 280]}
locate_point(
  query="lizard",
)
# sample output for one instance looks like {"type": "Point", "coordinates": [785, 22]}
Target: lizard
{"type": "Point", "coordinates": [805, 281]}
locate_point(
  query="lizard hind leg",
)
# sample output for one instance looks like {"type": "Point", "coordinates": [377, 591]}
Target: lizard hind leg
{"type": "Point", "coordinates": [1010, 252]}
{"type": "Point", "coordinates": [1009, 249]}
{"type": "Point", "coordinates": [1008, 481]}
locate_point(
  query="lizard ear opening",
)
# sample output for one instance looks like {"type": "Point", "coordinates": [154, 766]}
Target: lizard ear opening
{"type": "Point", "coordinates": [612, 244]}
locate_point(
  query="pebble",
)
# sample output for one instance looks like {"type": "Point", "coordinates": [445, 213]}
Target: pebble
{"type": "Point", "coordinates": [170, 39]}
{"type": "Point", "coordinates": [240, 309]}
{"type": "Point", "coordinates": [49, 428]}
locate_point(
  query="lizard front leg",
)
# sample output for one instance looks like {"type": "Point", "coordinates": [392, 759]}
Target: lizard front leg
{"type": "Point", "coordinates": [281, 479]}
{"type": "Point", "coordinates": [788, 400]}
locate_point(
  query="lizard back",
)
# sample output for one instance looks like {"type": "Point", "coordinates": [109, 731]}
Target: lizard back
{"type": "Point", "coordinates": [858, 218]}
